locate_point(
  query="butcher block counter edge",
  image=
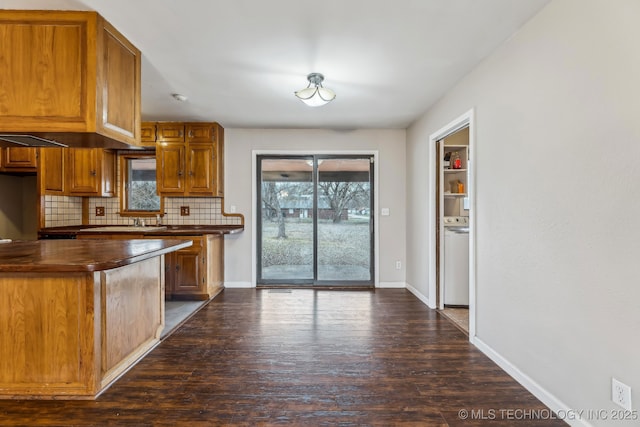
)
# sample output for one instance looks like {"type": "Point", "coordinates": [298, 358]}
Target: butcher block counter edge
{"type": "Point", "coordinates": [63, 256]}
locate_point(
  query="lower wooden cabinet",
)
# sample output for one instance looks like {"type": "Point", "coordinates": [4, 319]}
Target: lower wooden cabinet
{"type": "Point", "coordinates": [196, 272]}
{"type": "Point", "coordinates": [192, 273]}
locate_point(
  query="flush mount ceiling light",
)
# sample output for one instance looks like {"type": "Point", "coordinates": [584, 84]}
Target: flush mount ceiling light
{"type": "Point", "coordinates": [179, 97]}
{"type": "Point", "coordinates": [315, 95]}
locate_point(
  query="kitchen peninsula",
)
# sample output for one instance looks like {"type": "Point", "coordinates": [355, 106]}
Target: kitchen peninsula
{"type": "Point", "coordinates": [76, 314]}
{"type": "Point", "coordinates": [195, 273]}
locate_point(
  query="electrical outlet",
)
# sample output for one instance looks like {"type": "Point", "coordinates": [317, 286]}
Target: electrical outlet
{"type": "Point", "coordinates": [398, 265]}
{"type": "Point", "coordinates": [621, 394]}
{"type": "Point", "coordinates": [99, 210]}
{"type": "Point", "coordinates": [184, 211]}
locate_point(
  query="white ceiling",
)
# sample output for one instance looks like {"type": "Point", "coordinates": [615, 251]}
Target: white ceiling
{"type": "Point", "coordinates": [239, 61]}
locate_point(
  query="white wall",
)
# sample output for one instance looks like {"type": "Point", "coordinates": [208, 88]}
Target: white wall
{"type": "Point", "coordinates": [390, 144]}
{"type": "Point", "coordinates": [558, 197]}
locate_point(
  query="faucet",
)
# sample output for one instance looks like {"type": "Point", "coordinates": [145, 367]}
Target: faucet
{"type": "Point", "coordinates": [137, 222]}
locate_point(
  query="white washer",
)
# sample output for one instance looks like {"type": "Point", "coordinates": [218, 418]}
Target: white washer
{"type": "Point", "coordinates": [456, 266]}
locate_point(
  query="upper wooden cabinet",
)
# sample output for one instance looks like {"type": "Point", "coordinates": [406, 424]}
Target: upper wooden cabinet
{"type": "Point", "coordinates": [170, 168]}
{"type": "Point", "coordinates": [51, 177]}
{"type": "Point", "coordinates": [19, 159]}
{"type": "Point", "coordinates": [148, 134]}
{"type": "Point", "coordinates": [170, 132]}
{"type": "Point", "coordinates": [190, 158]}
{"type": "Point", "coordinates": [77, 172]}
{"type": "Point", "coordinates": [91, 172]}
{"type": "Point", "coordinates": [68, 74]}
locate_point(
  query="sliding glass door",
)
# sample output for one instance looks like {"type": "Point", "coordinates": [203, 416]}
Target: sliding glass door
{"type": "Point", "coordinates": [315, 224]}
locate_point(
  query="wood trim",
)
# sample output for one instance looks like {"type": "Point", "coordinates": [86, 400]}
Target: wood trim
{"type": "Point", "coordinates": [122, 178]}
{"type": "Point", "coordinates": [230, 215]}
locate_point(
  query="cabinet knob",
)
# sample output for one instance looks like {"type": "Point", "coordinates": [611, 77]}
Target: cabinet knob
{"type": "Point", "coordinates": [190, 133]}
{"type": "Point", "coordinates": [180, 173]}
{"type": "Point", "coordinates": [190, 173]}
{"type": "Point", "coordinates": [180, 133]}
{"type": "Point", "coordinates": [93, 173]}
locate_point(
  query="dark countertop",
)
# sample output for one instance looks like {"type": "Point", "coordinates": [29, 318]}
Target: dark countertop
{"type": "Point", "coordinates": [172, 230]}
{"type": "Point", "coordinates": [64, 256]}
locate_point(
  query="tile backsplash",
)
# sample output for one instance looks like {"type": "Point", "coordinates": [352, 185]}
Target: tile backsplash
{"type": "Point", "coordinates": [63, 211]}
{"type": "Point", "coordinates": [60, 211]}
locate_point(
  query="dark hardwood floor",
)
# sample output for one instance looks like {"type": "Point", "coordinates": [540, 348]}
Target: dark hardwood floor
{"type": "Point", "coordinates": [304, 357]}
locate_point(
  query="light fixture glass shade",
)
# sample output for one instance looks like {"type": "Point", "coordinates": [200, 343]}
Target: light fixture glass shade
{"type": "Point", "coordinates": [316, 95]}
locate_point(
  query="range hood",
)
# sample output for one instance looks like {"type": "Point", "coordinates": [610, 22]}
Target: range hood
{"type": "Point", "coordinates": [27, 141]}
{"type": "Point", "coordinates": [76, 140]}
{"type": "Point", "coordinates": [69, 79]}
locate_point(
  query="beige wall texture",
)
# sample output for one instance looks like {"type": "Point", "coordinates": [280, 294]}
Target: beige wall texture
{"type": "Point", "coordinates": [558, 195]}
{"type": "Point", "coordinates": [390, 145]}
{"type": "Point", "coordinates": [18, 207]}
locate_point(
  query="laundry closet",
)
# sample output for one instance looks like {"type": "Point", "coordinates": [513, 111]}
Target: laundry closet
{"type": "Point", "coordinates": [453, 225]}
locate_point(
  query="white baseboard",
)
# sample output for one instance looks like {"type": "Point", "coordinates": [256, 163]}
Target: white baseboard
{"type": "Point", "coordinates": [238, 285]}
{"type": "Point", "coordinates": [555, 404]}
{"type": "Point", "coordinates": [394, 285]}
{"type": "Point", "coordinates": [419, 295]}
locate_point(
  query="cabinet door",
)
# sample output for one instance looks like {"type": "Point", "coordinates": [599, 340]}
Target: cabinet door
{"type": "Point", "coordinates": [201, 168]}
{"type": "Point", "coordinates": [189, 278]}
{"type": "Point", "coordinates": [170, 132]}
{"type": "Point", "coordinates": [170, 168]}
{"type": "Point", "coordinates": [83, 171]}
{"type": "Point", "coordinates": [19, 159]}
{"type": "Point", "coordinates": [107, 181]}
{"type": "Point", "coordinates": [51, 171]}
{"type": "Point", "coordinates": [119, 107]}
{"type": "Point", "coordinates": [44, 58]}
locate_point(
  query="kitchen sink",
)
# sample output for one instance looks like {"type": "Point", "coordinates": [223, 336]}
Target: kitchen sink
{"type": "Point", "coordinates": [126, 228]}
{"type": "Point", "coordinates": [188, 227]}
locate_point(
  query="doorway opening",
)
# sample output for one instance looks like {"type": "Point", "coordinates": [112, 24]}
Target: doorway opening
{"type": "Point", "coordinates": [452, 222]}
{"type": "Point", "coordinates": [315, 220]}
